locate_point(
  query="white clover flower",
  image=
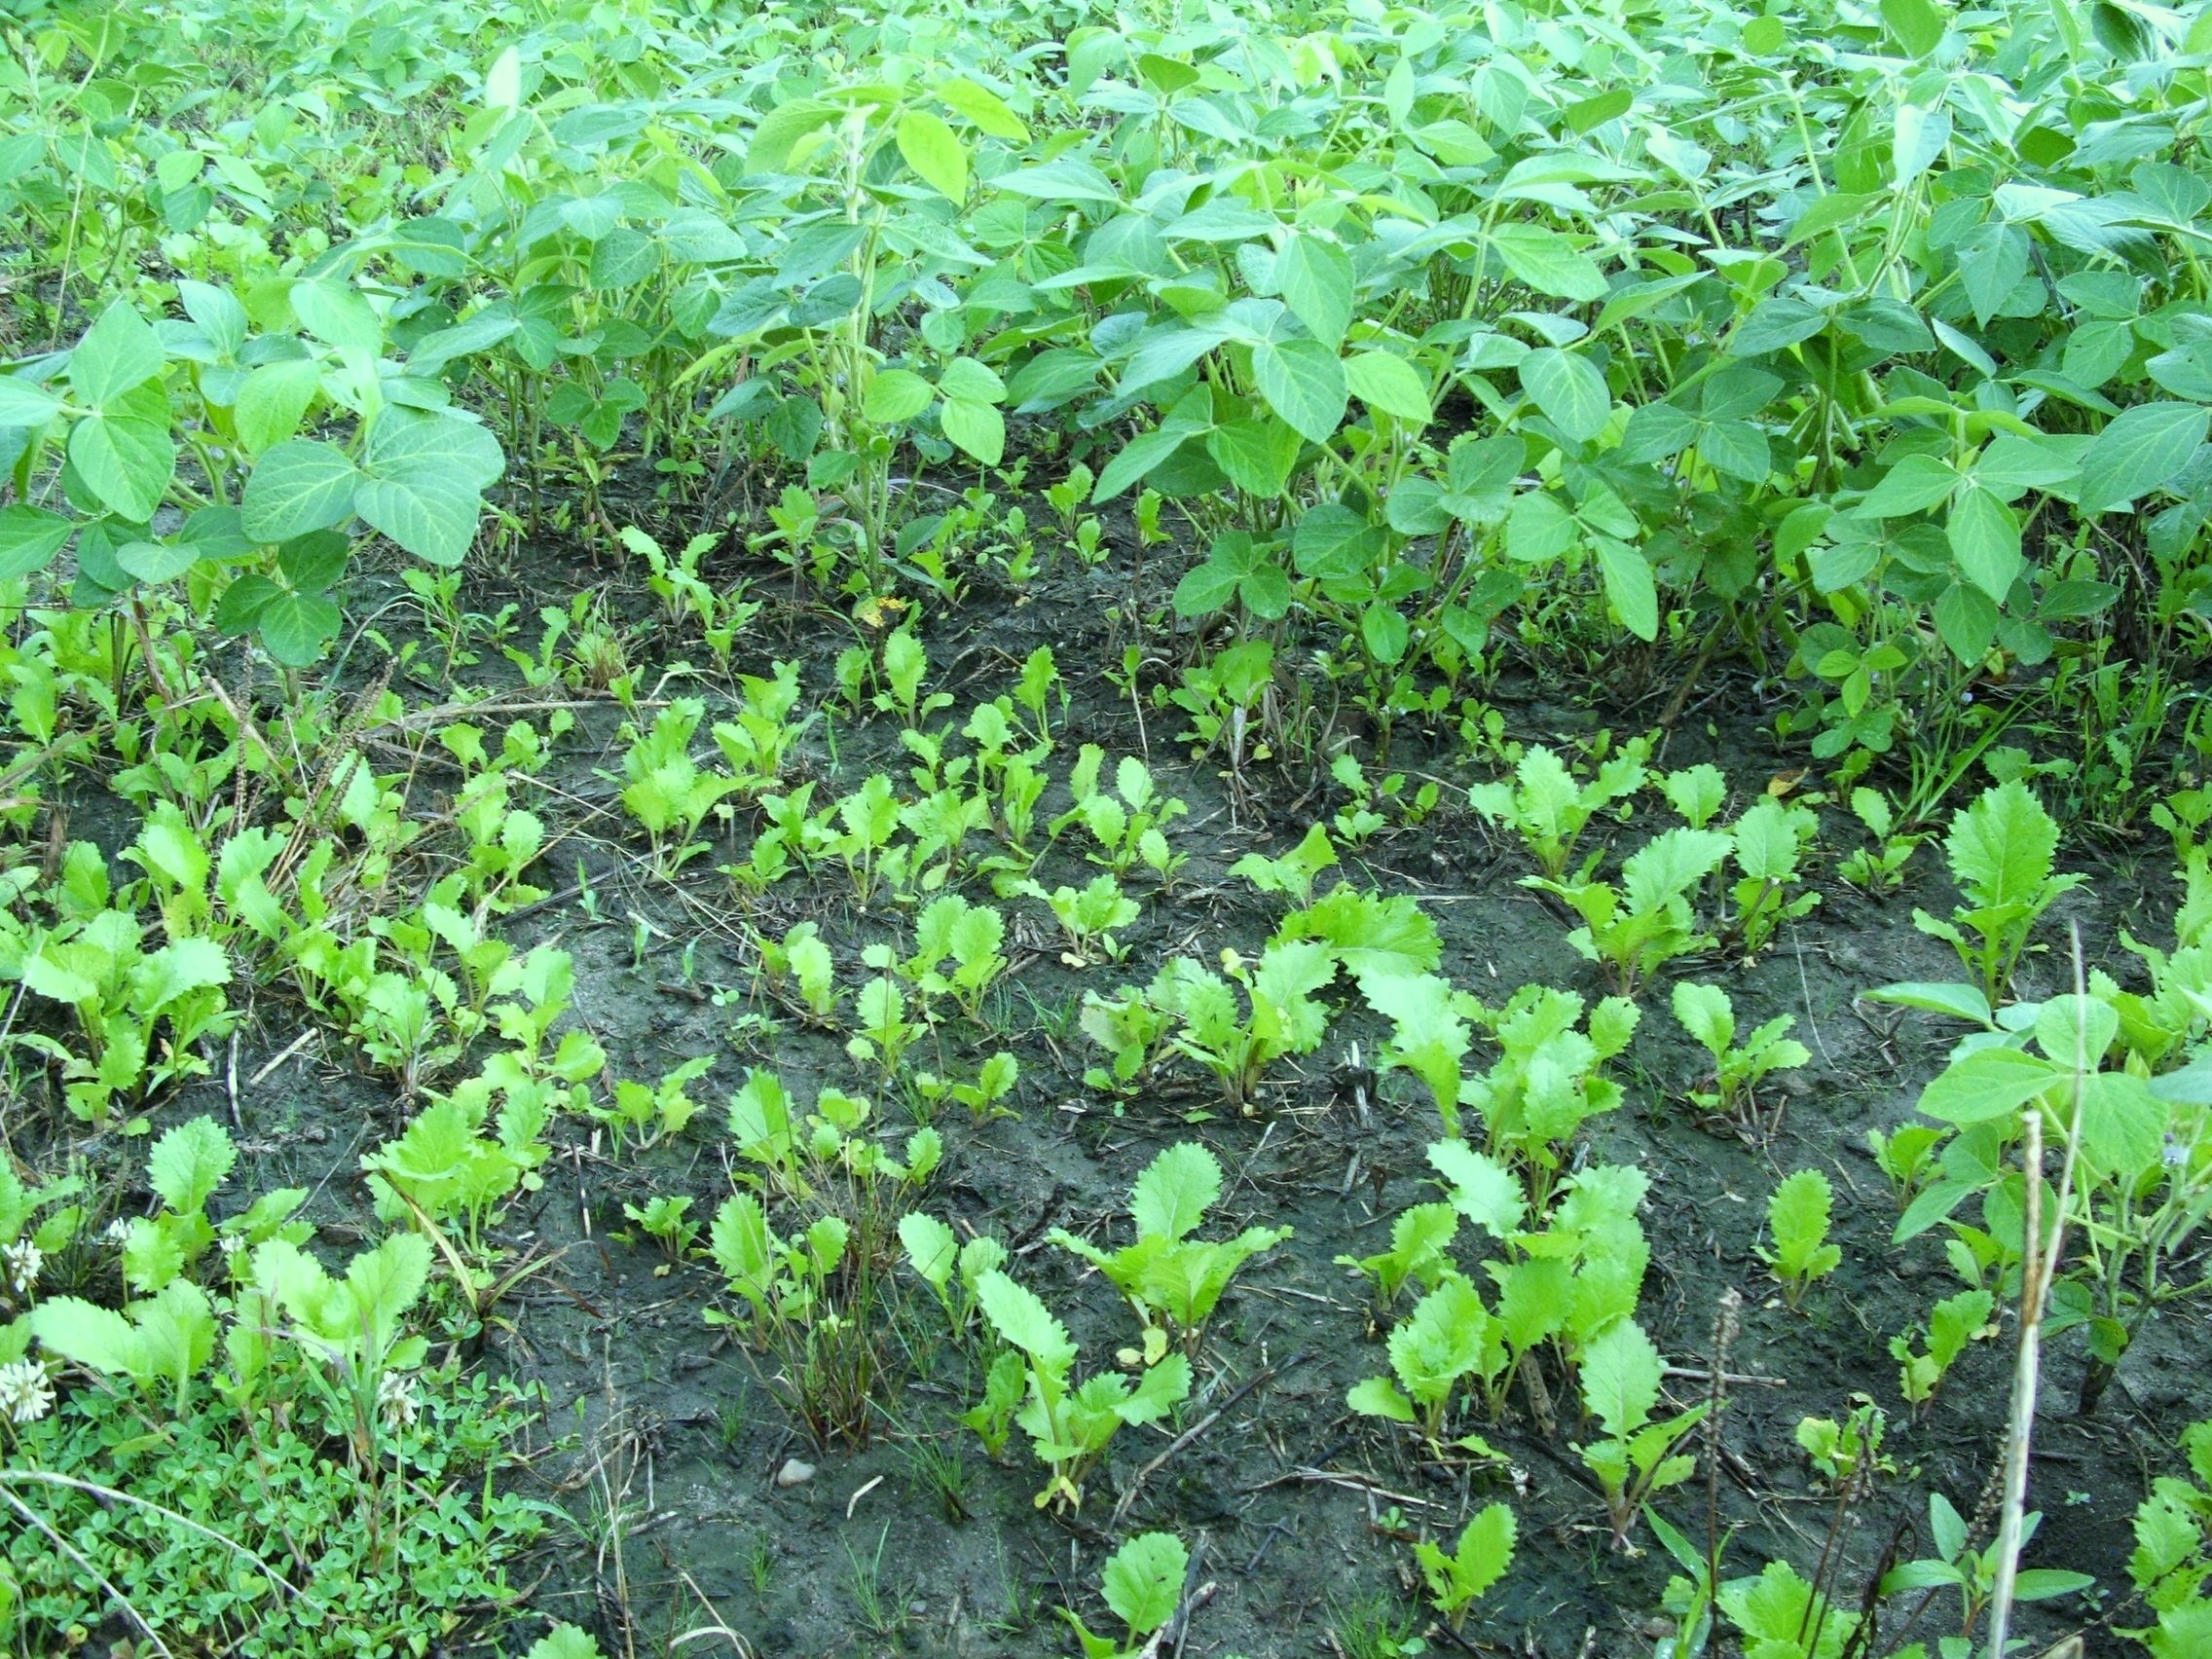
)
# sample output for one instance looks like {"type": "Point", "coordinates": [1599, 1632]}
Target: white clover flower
{"type": "Point", "coordinates": [116, 1233]}
{"type": "Point", "coordinates": [23, 1261]}
{"type": "Point", "coordinates": [25, 1394]}
{"type": "Point", "coordinates": [396, 1399]}
{"type": "Point", "coordinates": [230, 1243]}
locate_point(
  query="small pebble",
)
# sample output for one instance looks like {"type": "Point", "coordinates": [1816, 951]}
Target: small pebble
{"type": "Point", "coordinates": [795, 1473]}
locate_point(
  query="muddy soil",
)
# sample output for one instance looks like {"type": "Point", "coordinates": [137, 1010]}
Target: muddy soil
{"type": "Point", "coordinates": [665, 1442]}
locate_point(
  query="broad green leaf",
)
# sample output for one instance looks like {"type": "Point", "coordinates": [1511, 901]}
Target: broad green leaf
{"type": "Point", "coordinates": [98, 1338]}
{"type": "Point", "coordinates": [987, 109]}
{"type": "Point", "coordinates": [1914, 484]}
{"type": "Point", "coordinates": [338, 313]}
{"type": "Point", "coordinates": [1023, 1321]}
{"type": "Point", "coordinates": [1483, 1189]}
{"type": "Point", "coordinates": [1570, 391]}
{"type": "Point", "coordinates": [29, 538]}
{"type": "Point", "coordinates": [563, 1640]}
{"type": "Point", "coordinates": [1144, 1580]}
{"type": "Point", "coordinates": [977, 427]}
{"type": "Point", "coordinates": [897, 394]}
{"type": "Point", "coordinates": [1622, 1371]}
{"type": "Point", "coordinates": [931, 1246]}
{"type": "Point", "coordinates": [273, 400]}
{"type": "Point", "coordinates": [1985, 539]}
{"type": "Point", "coordinates": [1064, 180]}
{"type": "Point", "coordinates": [297, 486]}
{"type": "Point", "coordinates": [1629, 586]}
{"type": "Point", "coordinates": [2001, 847]}
{"type": "Point", "coordinates": [118, 354]}
{"type": "Point", "coordinates": [1547, 262]}
{"type": "Point", "coordinates": [1706, 1013]}
{"type": "Point", "coordinates": [935, 154]}
{"type": "Point", "coordinates": [1314, 278]}
{"type": "Point", "coordinates": [23, 404]}
{"type": "Point", "coordinates": [2143, 448]}
{"type": "Point", "coordinates": [125, 454]}
{"type": "Point", "coordinates": [1384, 381]}
{"type": "Point", "coordinates": [1918, 24]}
{"type": "Point", "coordinates": [1988, 1083]}
{"type": "Point", "coordinates": [189, 1162]}
{"type": "Point", "coordinates": [1960, 1001]}
{"type": "Point", "coordinates": [297, 627]}
{"type": "Point", "coordinates": [155, 561]}
{"type": "Point", "coordinates": [1304, 383]}
{"type": "Point", "coordinates": [1174, 1193]}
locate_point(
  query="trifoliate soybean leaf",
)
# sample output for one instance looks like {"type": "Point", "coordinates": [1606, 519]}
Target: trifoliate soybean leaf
{"type": "Point", "coordinates": [1384, 381]}
{"type": "Point", "coordinates": [2142, 449]}
{"type": "Point", "coordinates": [1988, 1083]}
{"type": "Point", "coordinates": [338, 313]}
{"type": "Point", "coordinates": [1314, 278]}
{"type": "Point", "coordinates": [1914, 484]}
{"type": "Point", "coordinates": [1255, 455]}
{"type": "Point", "coordinates": [297, 486]}
{"type": "Point", "coordinates": [1985, 539]}
{"type": "Point", "coordinates": [296, 628]}
{"type": "Point", "coordinates": [155, 561]}
{"type": "Point", "coordinates": [273, 401]}
{"type": "Point", "coordinates": [1629, 585]}
{"type": "Point", "coordinates": [984, 108]}
{"type": "Point", "coordinates": [1917, 24]}
{"type": "Point", "coordinates": [935, 154]}
{"type": "Point", "coordinates": [972, 379]}
{"type": "Point", "coordinates": [29, 538]}
{"type": "Point", "coordinates": [424, 508]}
{"type": "Point", "coordinates": [1569, 389]}
{"type": "Point", "coordinates": [1334, 543]}
{"type": "Point", "coordinates": [1143, 1581]}
{"type": "Point", "coordinates": [1544, 260]}
{"type": "Point", "coordinates": [23, 404]}
{"type": "Point", "coordinates": [1303, 382]}
{"type": "Point", "coordinates": [119, 353]}
{"type": "Point", "coordinates": [895, 395]}
{"type": "Point", "coordinates": [1064, 180]}
{"type": "Point", "coordinates": [977, 427]}
{"type": "Point", "coordinates": [125, 454]}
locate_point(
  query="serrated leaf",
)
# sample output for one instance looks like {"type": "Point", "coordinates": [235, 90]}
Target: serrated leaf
{"type": "Point", "coordinates": [1176, 1189]}
{"type": "Point", "coordinates": [1019, 1318]}
{"type": "Point", "coordinates": [189, 1162]}
{"type": "Point", "coordinates": [1483, 1189]}
{"type": "Point", "coordinates": [1621, 1369]}
{"type": "Point", "coordinates": [1143, 1581]}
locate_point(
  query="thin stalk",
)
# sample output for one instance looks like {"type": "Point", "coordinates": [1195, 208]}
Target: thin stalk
{"type": "Point", "coordinates": [2039, 1265]}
